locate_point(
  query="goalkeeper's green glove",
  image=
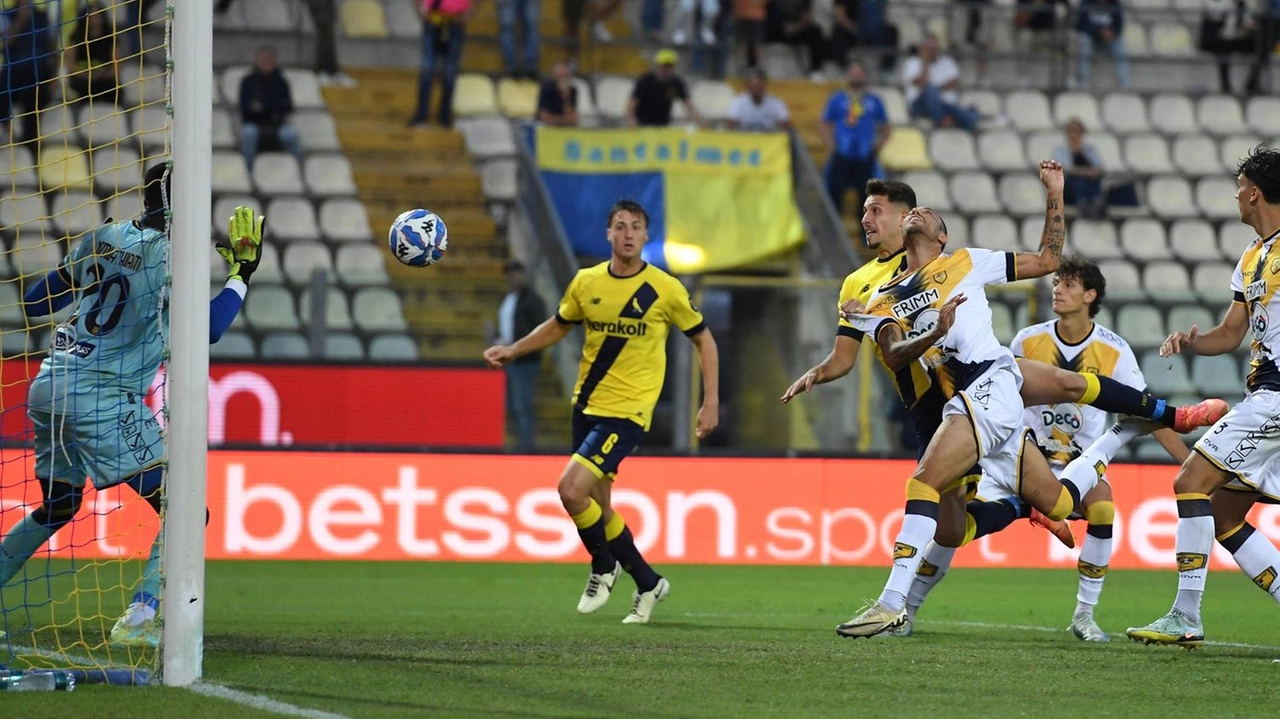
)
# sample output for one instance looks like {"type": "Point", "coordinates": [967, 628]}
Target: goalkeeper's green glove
{"type": "Point", "coordinates": [243, 247]}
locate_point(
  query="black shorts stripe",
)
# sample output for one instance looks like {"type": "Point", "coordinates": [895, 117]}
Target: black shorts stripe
{"type": "Point", "coordinates": [922, 507]}
{"type": "Point", "coordinates": [608, 353]}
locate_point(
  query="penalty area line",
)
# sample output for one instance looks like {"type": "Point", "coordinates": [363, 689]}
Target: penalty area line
{"type": "Point", "coordinates": [260, 702]}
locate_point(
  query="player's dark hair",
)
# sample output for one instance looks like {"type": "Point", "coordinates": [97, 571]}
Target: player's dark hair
{"type": "Point", "coordinates": [1088, 275]}
{"type": "Point", "coordinates": [898, 193]}
{"type": "Point", "coordinates": [627, 206]}
{"type": "Point", "coordinates": [1262, 167]}
{"type": "Point", "coordinates": [157, 189]}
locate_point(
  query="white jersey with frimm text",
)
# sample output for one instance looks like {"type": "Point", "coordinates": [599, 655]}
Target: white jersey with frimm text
{"type": "Point", "coordinates": [1255, 284]}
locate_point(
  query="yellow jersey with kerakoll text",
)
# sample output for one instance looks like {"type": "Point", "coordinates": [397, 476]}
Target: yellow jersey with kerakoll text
{"type": "Point", "coordinates": [624, 356]}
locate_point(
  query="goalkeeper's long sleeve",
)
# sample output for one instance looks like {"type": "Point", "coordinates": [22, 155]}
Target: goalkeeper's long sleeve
{"type": "Point", "coordinates": [47, 296]}
{"type": "Point", "coordinates": [224, 308]}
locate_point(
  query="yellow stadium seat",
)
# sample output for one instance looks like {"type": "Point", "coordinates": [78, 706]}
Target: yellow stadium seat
{"type": "Point", "coordinates": [364, 18]}
{"type": "Point", "coordinates": [64, 166]}
{"type": "Point", "coordinates": [905, 150]}
{"type": "Point", "coordinates": [474, 95]}
{"type": "Point", "coordinates": [518, 98]}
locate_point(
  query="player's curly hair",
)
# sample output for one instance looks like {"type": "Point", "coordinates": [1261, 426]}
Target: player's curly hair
{"type": "Point", "coordinates": [1262, 167]}
{"type": "Point", "coordinates": [898, 193]}
{"type": "Point", "coordinates": [157, 187]}
{"type": "Point", "coordinates": [1088, 275]}
{"type": "Point", "coordinates": [631, 206]}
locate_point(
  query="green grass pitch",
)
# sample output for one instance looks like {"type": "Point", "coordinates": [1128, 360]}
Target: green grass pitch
{"type": "Point", "coordinates": [400, 640]}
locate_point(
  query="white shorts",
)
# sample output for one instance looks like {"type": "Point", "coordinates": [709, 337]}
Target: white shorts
{"type": "Point", "coordinates": [993, 403]}
{"type": "Point", "coordinates": [1246, 444]}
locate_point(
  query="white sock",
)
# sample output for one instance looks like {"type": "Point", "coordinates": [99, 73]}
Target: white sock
{"type": "Point", "coordinates": [934, 564]}
{"type": "Point", "coordinates": [1084, 471]}
{"type": "Point", "coordinates": [1193, 542]}
{"type": "Point", "coordinates": [917, 530]}
{"type": "Point", "coordinates": [1094, 558]}
{"type": "Point", "coordinates": [1259, 559]}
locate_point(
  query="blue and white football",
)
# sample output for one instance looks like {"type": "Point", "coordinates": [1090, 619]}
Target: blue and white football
{"type": "Point", "coordinates": [419, 238]}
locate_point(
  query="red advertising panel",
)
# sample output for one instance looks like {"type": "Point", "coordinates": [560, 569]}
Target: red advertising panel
{"type": "Point", "coordinates": [296, 505]}
{"type": "Point", "coordinates": [319, 405]}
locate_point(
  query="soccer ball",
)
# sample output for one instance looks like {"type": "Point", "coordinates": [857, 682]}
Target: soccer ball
{"type": "Point", "coordinates": [418, 238]}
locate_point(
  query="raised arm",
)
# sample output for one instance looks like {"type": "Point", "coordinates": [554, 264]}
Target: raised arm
{"type": "Point", "coordinates": [709, 363]}
{"type": "Point", "coordinates": [1224, 338]}
{"type": "Point", "coordinates": [1030, 265]}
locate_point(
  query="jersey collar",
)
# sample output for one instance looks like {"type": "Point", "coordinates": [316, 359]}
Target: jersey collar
{"type": "Point", "coordinates": [609, 268]}
{"type": "Point", "coordinates": [1092, 327]}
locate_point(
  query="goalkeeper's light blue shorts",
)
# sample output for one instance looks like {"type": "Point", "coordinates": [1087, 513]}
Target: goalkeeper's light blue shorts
{"type": "Point", "coordinates": [104, 433]}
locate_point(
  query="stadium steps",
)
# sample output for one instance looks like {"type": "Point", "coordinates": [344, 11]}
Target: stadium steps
{"type": "Point", "coordinates": [622, 58]}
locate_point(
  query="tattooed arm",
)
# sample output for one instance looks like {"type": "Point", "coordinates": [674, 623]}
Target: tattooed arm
{"type": "Point", "coordinates": [1030, 265]}
{"type": "Point", "coordinates": [899, 351]}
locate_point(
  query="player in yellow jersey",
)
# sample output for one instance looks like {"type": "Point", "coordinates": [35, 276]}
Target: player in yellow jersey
{"type": "Point", "coordinates": [626, 306]}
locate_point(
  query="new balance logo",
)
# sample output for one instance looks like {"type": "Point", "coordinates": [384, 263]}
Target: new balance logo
{"type": "Point", "coordinates": [1189, 562]}
{"type": "Point", "coordinates": [595, 300]}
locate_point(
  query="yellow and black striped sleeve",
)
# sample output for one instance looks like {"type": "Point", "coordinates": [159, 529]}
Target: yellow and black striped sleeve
{"type": "Point", "coordinates": [570, 310]}
{"type": "Point", "coordinates": [683, 313]}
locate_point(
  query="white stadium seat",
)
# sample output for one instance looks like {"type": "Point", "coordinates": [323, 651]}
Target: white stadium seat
{"type": "Point", "coordinates": [1095, 239]}
{"type": "Point", "coordinates": [1022, 194]}
{"type": "Point", "coordinates": [1165, 280]}
{"type": "Point", "coordinates": [360, 264]}
{"type": "Point", "coordinates": [1077, 105]}
{"type": "Point", "coordinates": [293, 218]}
{"type": "Point", "coordinates": [952, 150]}
{"type": "Point", "coordinates": [974, 192]}
{"type": "Point", "coordinates": [1171, 197]}
{"type": "Point", "coordinates": [1028, 110]}
{"type": "Point", "coordinates": [1221, 115]}
{"type": "Point", "coordinates": [377, 309]}
{"type": "Point", "coordinates": [1140, 325]}
{"type": "Point", "coordinates": [393, 348]}
{"type": "Point", "coordinates": [1123, 281]}
{"type": "Point", "coordinates": [997, 232]}
{"type": "Point", "coordinates": [337, 313]}
{"type": "Point", "coordinates": [1196, 155]}
{"type": "Point", "coordinates": [931, 186]}
{"type": "Point", "coordinates": [302, 259]}
{"type": "Point", "coordinates": [270, 307]}
{"type": "Point", "coordinates": [329, 175]}
{"type": "Point", "coordinates": [1147, 154]}
{"type": "Point", "coordinates": [1143, 239]}
{"type": "Point", "coordinates": [1173, 114]}
{"type": "Point", "coordinates": [344, 220]}
{"type": "Point", "coordinates": [1001, 150]}
{"type": "Point", "coordinates": [1125, 112]}
{"type": "Point", "coordinates": [1216, 197]}
{"type": "Point", "coordinates": [1194, 241]}
{"type": "Point", "coordinates": [277, 173]}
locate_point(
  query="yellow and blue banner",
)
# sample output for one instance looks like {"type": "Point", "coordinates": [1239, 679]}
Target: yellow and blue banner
{"type": "Point", "coordinates": [716, 200]}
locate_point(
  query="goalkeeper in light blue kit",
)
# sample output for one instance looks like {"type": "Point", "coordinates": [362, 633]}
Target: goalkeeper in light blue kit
{"type": "Point", "coordinates": [86, 405]}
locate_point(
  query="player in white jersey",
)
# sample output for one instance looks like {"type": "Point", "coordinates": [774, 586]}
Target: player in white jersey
{"type": "Point", "coordinates": [1241, 452]}
{"type": "Point", "coordinates": [86, 404]}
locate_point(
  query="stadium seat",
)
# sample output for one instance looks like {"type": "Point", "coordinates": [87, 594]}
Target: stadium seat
{"type": "Point", "coordinates": [1196, 155]}
{"type": "Point", "coordinates": [1165, 280]}
{"type": "Point", "coordinates": [104, 124]}
{"type": "Point", "coordinates": [612, 95]}
{"type": "Point", "coordinates": [996, 232]}
{"type": "Point", "coordinates": [1140, 325]}
{"type": "Point", "coordinates": [1028, 110]}
{"type": "Point", "coordinates": [974, 192]}
{"type": "Point", "coordinates": [124, 206]}
{"type": "Point", "coordinates": [11, 315]}
{"type": "Point", "coordinates": [1105, 318]}
{"type": "Point", "coordinates": [363, 19]}
{"type": "Point", "coordinates": [344, 220]}
{"type": "Point", "coordinates": [1173, 115]}
{"type": "Point", "coordinates": [360, 264]}
{"type": "Point", "coordinates": [268, 267]}
{"type": "Point", "coordinates": [713, 100]}
{"type": "Point", "coordinates": [587, 109]}
{"type": "Point", "coordinates": [1001, 151]}
{"type": "Point", "coordinates": [223, 130]}
{"type": "Point", "coordinates": [270, 307]}
{"type": "Point", "coordinates": [1171, 197]}
{"type": "Point", "coordinates": [1031, 231]}
{"type": "Point", "coordinates": [301, 259]}
{"type": "Point", "coordinates": [986, 102]}
{"type": "Point", "coordinates": [905, 150]}
{"type": "Point", "coordinates": [1233, 238]}
{"type": "Point", "coordinates": [1095, 239]}
{"type": "Point", "coordinates": [75, 213]}
{"type": "Point", "coordinates": [25, 211]}
{"type": "Point", "coordinates": [393, 348]}
{"type": "Point", "coordinates": [32, 253]}
{"type": "Point", "coordinates": [233, 346]}
{"type": "Point", "coordinates": [1171, 39]}
{"type": "Point", "coordinates": [317, 131]}
{"type": "Point", "coordinates": [337, 313]}
{"type": "Point", "coordinates": [1194, 241]}
{"type": "Point", "coordinates": [499, 180]}
{"type": "Point", "coordinates": [1212, 280]}
{"type": "Point", "coordinates": [286, 345]}
{"type": "Point", "coordinates": [488, 137]}
{"type": "Point", "coordinates": [229, 173]}
{"type": "Point", "coordinates": [1125, 112]}
{"type": "Point", "coordinates": [1183, 317]}
{"type": "Point", "coordinates": [1263, 115]}
{"type": "Point", "coordinates": [1216, 197]}
{"type": "Point", "coordinates": [230, 82]}
{"type": "Point", "coordinates": [377, 309]}
{"type": "Point", "coordinates": [780, 60]}
{"type": "Point", "coordinates": [1002, 322]}
{"type": "Point", "coordinates": [1077, 105]}
{"type": "Point", "coordinates": [1165, 375]}
{"type": "Point", "coordinates": [304, 86]}
{"type": "Point", "coordinates": [328, 175]}
{"type": "Point", "coordinates": [343, 347]}
{"type": "Point", "coordinates": [1136, 42]}
{"type": "Point", "coordinates": [115, 168]}
{"type": "Point", "coordinates": [17, 169]}
{"type": "Point", "coordinates": [277, 173]}
{"type": "Point", "coordinates": [957, 233]}
{"type": "Point", "coordinates": [1022, 194]}
{"type": "Point", "coordinates": [1108, 147]}
{"type": "Point", "coordinates": [225, 206]}
{"type": "Point", "coordinates": [150, 127]}
{"type": "Point", "coordinates": [1219, 376]}
{"type": "Point", "coordinates": [895, 105]}
{"type": "Point", "coordinates": [1236, 148]}
{"type": "Point", "coordinates": [64, 167]}
{"type": "Point", "coordinates": [474, 95]}
{"type": "Point", "coordinates": [403, 20]}
{"type": "Point", "coordinates": [1123, 282]}
{"type": "Point", "coordinates": [292, 218]}
{"type": "Point", "coordinates": [145, 85]}
{"type": "Point", "coordinates": [518, 99]}
{"type": "Point", "coordinates": [1041, 145]}
{"type": "Point", "coordinates": [1141, 239]}
{"type": "Point", "coordinates": [1221, 115]}
{"type": "Point", "coordinates": [952, 150]}
{"type": "Point", "coordinates": [269, 16]}
{"type": "Point", "coordinates": [1147, 154]}
{"type": "Point", "coordinates": [931, 185]}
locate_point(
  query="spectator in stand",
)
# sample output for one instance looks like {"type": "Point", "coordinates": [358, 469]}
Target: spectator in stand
{"type": "Point", "coordinates": [558, 99]}
{"type": "Point", "coordinates": [1082, 166]}
{"type": "Point", "coordinates": [1226, 29]}
{"type": "Point", "coordinates": [1036, 23]}
{"type": "Point", "coordinates": [712, 59]}
{"type": "Point", "coordinates": [324, 16]}
{"type": "Point", "coordinates": [1101, 23]}
{"type": "Point", "coordinates": [528, 13]}
{"type": "Point", "coordinates": [709, 9]}
{"type": "Point", "coordinates": [748, 22]}
{"type": "Point", "coordinates": [265, 107]}
{"type": "Point", "coordinates": [444, 28]}
{"type": "Point", "coordinates": [931, 81]}
{"type": "Point", "coordinates": [656, 91]}
{"type": "Point", "coordinates": [757, 111]}
{"type": "Point", "coordinates": [861, 23]}
{"type": "Point", "coordinates": [1267, 31]}
{"type": "Point", "coordinates": [28, 49]}
{"type": "Point", "coordinates": [573, 12]}
{"type": "Point", "coordinates": [520, 312]}
{"type": "Point", "coordinates": [855, 127]}
{"type": "Point", "coordinates": [90, 56]}
{"type": "Point", "coordinates": [791, 22]}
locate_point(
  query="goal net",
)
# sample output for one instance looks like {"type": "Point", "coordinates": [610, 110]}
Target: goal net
{"type": "Point", "coordinates": [88, 98]}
